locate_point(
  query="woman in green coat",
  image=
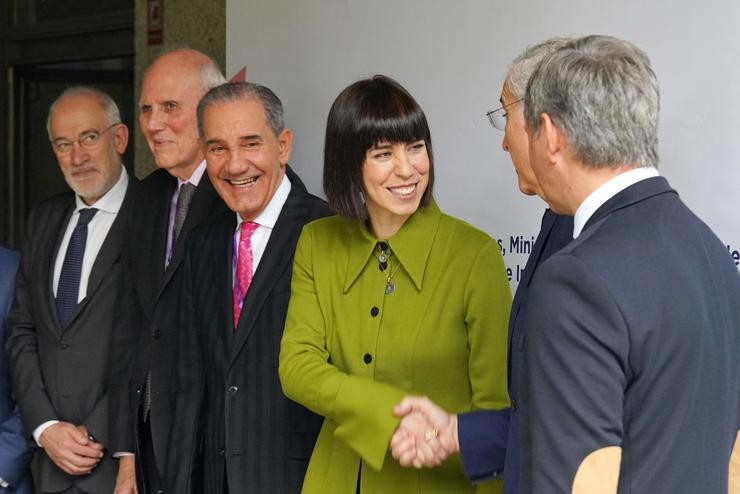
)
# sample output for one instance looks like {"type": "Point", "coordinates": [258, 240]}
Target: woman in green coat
{"type": "Point", "coordinates": [389, 298]}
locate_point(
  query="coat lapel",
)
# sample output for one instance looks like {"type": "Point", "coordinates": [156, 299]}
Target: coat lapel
{"type": "Point", "coordinates": [224, 251]}
{"type": "Point", "coordinates": [277, 258]}
{"type": "Point", "coordinates": [60, 219]}
{"type": "Point", "coordinates": [201, 206]}
{"type": "Point", "coordinates": [151, 220]}
{"type": "Point", "coordinates": [109, 252]}
{"type": "Point", "coordinates": [548, 220]}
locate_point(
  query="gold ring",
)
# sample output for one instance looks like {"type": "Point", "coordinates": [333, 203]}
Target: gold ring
{"type": "Point", "coordinates": [430, 434]}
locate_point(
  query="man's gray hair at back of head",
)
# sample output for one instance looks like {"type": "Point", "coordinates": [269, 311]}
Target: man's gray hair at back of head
{"type": "Point", "coordinates": [524, 64]}
{"type": "Point", "coordinates": [239, 91]}
{"type": "Point", "coordinates": [602, 93]}
{"type": "Point", "coordinates": [211, 75]}
{"type": "Point", "coordinates": [113, 115]}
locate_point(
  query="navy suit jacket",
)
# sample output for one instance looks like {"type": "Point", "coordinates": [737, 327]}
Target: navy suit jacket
{"type": "Point", "coordinates": [485, 439]}
{"type": "Point", "coordinates": [632, 338]}
{"type": "Point", "coordinates": [15, 450]}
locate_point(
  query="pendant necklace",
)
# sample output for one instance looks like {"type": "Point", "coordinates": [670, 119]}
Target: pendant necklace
{"type": "Point", "coordinates": [386, 266]}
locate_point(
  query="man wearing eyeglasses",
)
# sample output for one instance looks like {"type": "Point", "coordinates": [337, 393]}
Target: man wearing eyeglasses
{"type": "Point", "coordinates": [61, 324]}
{"type": "Point", "coordinates": [488, 440]}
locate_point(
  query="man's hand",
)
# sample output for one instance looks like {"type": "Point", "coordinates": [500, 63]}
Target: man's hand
{"type": "Point", "coordinates": [70, 448]}
{"type": "Point", "coordinates": [126, 480]}
{"type": "Point", "coordinates": [427, 434]}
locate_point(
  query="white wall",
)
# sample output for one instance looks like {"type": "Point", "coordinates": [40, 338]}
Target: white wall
{"type": "Point", "coordinates": [452, 56]}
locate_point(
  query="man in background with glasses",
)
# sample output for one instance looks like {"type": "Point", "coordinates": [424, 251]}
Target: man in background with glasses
{"type": "Point", "coordinates": [60, 326]}
{"type": "Point", "coordinates": [481, 437]}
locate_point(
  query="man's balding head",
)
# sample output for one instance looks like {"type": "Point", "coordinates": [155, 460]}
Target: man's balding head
{"type": "Point", "coordinates": [173, 85]}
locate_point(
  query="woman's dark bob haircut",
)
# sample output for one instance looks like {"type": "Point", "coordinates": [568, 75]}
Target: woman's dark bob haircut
{"type": "Point", "coordinates": [368, 112]}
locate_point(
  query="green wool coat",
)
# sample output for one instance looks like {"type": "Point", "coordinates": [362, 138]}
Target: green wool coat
{"type": "Point", "coordinates": [350, 352]}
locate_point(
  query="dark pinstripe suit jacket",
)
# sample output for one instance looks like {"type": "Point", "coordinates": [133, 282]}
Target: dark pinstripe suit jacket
{"type": "Point", "coordinates": [145, 332]}
{"type": "Point", "coordinates": [229, 413]}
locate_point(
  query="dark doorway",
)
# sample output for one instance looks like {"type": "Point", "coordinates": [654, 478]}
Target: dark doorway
{"type": "Point", "coordinates": [46, 47]}
{"type": "Point", "coordinates": [38, 175]}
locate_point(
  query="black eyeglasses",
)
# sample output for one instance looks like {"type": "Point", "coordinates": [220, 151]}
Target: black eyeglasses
{"type": "Point", "coordinates": [497, 117]}
{"type": "Point", "coordinates": [88, 140]}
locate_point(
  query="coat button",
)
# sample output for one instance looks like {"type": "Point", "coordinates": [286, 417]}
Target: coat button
{"type": "Point", "coordinates": [221, 452]}
{"type": "Point", "coordinates": [514, 404]}
{"type": "Point", "coordinates": [374, 311]}
{"type": "Point", "coordinates": [233, 389]}
{"type": "Point", "coordinates": [63, 345]}
{"type": "Point", "coordinates": [367, 358]}
{"type": "Point", "coordinates": [156, 334]}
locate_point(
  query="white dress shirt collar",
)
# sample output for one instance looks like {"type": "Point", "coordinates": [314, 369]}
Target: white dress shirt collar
{"type": "Point", "coordinates": [606, 191]}
{"type": "Point", "coordinates": [268, 217]}
{"type": "Point", "coordinates": [266, 223]}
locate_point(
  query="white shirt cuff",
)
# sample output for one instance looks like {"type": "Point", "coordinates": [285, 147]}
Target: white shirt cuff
{"type": "Point", "coordinates": [40, 430]}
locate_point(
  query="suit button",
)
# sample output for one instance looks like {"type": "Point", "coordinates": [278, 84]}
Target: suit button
{"type": "Point", "coordinates": [367, 358]}
{"type": "Point", "coordinates": [221, 452]}
{"type": "Point", "coordinates": [63, 345]}
{"type": "Point", "coordinates": [233, 389]}
{"type": "Point", "coordinates": [514, 404]}
{"type": "Point", "coordinates": [374, 311]}
{"type": "Point", "coordinates": [156, 334]}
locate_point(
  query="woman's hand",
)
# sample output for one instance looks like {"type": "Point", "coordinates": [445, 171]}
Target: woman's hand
{"type": "Point", "coordinates": [427, 434]}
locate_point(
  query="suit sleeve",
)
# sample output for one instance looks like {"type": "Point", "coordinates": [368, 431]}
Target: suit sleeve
{"type": "Point", "coordinates": [575, 352]}
{"type": "Point", "coordinates": [186, 394]}
{"type": "Point", "coordinates": [482, 435]}
{"type": "Point", "coordinates": [361, 408]}
{"type": "Point", "coordinates": [14, 447]}
{"type": "Point", "coordinates": [22, 344]}
{"type": "Point", "coordinates": [15, 451]}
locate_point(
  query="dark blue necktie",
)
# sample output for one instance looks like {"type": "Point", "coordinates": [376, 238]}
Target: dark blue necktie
{"type": "Point", "coordinates": [69, 279]}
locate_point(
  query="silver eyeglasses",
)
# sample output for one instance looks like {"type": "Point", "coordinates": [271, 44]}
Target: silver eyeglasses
{"type": "Point", "coordinates": [88, 140]}
{"type": "Point", "coordinates": [497, 117]}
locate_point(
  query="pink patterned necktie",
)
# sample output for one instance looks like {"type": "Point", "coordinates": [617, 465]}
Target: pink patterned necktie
{"type": "Point", "coordinates": [243, 267]}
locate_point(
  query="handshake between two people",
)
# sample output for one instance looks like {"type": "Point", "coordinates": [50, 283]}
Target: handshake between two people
{"type": "Point", "coordinates": [426, 436]}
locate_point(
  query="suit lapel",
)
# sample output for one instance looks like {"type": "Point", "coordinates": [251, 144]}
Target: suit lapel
{"type": "Point", "coordinates": [109, 252]}
{"type": "Point", "coordinates": [548, 221]}
{"type": "Point", "coordinates": [277, 258]}
{"type": "Point", "coordinates": [201, 206]}
{"type": "Point", "coordinates": [151, 222]}
{"type": "Point", "coordinates": [224, 250]}
{"type": "Point", "coordinates": [49, 251]}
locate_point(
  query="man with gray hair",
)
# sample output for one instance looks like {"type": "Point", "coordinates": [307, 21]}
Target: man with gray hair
{"type": "Point", "coordinates": [61, 324]}
{"type": "Point", "coordinates": [233, 429]}
{"type": "Point", "coordinates": [170, 202]}
{"type": "Point", "coordinates": [631, 381]}
{"type": "Point", "coordinates": [489, 440]}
